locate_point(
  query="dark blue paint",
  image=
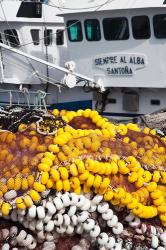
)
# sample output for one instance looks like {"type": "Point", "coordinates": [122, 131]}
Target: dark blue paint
{"type": "Point", "coordinates": [72, 105]}
{"type": "Point", "coordinates": [120, 114]}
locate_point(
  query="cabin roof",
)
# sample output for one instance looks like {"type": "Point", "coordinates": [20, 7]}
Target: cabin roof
{"type": "Point", "coordinates": [83, 6]}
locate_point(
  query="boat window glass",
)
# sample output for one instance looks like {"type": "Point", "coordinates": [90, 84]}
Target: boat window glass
{"type": "Point", "coordinates": [141, 27]}
{"type": "Point", "coordinates": [74, 29]}
{"type": "Point", "coordinates": [159, 23]}
{"type": "Point", "coordinates": [35, 36]}
{"type": "Point", "coordinates": [1, 39]}
{"type": "Point", "coordinates": [12, 37]}
{"type": "Point", "coordinates": [59, 37]}
{"type": "Point", "coordinates": [30, 10]}
{"type": "Point", "coordinates": [92, 30]}
{"type": "Point", "coordinates": [116, 28]}
{"type": "Point", "coordinates": [47, 37]}
{"type": "Point", "coordinates": [155, 102]}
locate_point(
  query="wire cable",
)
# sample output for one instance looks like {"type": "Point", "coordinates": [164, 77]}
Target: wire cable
{"type": "Point", "coordinates": [53, 81]}
{"type": "Point", "coordinates": [65, 28]}
{"type": "Point", "coordinates": [98, 7]}
{"type": "Point", "coordinates": [46, 53]}
{"type": "Point", "coordinates": [84, 8]}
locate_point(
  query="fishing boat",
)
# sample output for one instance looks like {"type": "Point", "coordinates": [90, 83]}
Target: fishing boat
{"type": "Point", "coordinates": [121, 43]}
{"type": "Point", "coordinates": [30, 28]}
{"type": "Point", "coordinates": [74, 179]}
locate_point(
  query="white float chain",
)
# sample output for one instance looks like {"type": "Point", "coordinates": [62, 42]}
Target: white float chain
{"type": "Point", "coordinates": [49, 245]}
{"type": "Point", "coordinates": [158, 237]}
{"type": "Point", "coordinates": [20, 238]}
{"type": "Point", "coordinates": [67, 223]}
{"type": "Point", "coordinates": [10, 195]}
{"type": "Point", "coordinates": [69, 213]}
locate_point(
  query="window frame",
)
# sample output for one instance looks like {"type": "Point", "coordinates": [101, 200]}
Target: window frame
{"type": "Point", "coordinates": [1, 38]}
{"type": "Point", "coordinates": [30, 9]}
{"type": "Point", "coordinates": [149, 26]}
{"type": "Point", "coordinates": [35, 42]}
{"type": "Point", "coordinates": [46, 36]}
{"type": "Point", "coordinates": [128, 28]}
{"type": "Point", "coordinates": [86, 35]}
{"type": "Point", "coordinates": [154, 30]}
{"type": "Point", "coordinates": [155, 102]}
{"type": "Point", "coordinates": [68, 30]}
{"type": "Point", "coordinates": [61, 31]}
{"type": "Point", "coordinates": [14, 35]}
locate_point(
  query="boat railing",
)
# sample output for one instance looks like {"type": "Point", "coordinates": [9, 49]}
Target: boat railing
{"type": "Point", "coordinates": [25, 98]}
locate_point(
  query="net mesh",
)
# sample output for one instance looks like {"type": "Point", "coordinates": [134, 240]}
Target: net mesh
{"type": "Point", "coordinates": [20, 154]}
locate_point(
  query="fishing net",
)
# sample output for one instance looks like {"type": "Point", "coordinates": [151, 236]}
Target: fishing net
{"type": "Point", "coordinates": [64, 152]}
{"type": "Point", "coordinates": [20, 154]}
{"type": "Point", "coordinates": [156, 120]}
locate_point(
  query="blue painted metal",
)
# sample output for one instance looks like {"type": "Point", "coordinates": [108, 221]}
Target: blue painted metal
{"type": "Point", "coordinates": [121, 114]}
{"type": "Point", "coordinates": [72, 105]}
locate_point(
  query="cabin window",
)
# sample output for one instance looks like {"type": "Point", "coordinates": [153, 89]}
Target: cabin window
{"type": "Point", "coordinates": [116, 28]}
{"type": "Point", "coordinates": [1, 39]}
{"type": "Point", "coordinates": [155, 102]}
{"type": "Point", "coordinates": [12, 37]}
{"type": "Point", "coordinates": [30, 10]}
{"type": "Point", "coordinates": [35, 36]}
{"type": "Point", "coordinates": [59, 37]}
{"type": "Point", "coordinates": [74, 31]}
{"type": "Point", "coordinates": [92, 30]}
{"type": "Point", "coordinates": [47, 37]}
{"type": "Point", "coordinates": [112, 100]}
{"type": "Point", "coordinates": [141, 27]}
{"type": "Point", "coordinates": [159, 23]}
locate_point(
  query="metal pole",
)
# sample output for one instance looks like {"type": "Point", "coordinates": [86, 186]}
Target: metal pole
{"type": "Point", "coordinates": [46, 63]}
{"type": "Point", "coordinates": [1, 66]}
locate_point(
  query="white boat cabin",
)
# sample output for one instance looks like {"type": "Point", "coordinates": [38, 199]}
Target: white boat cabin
{"type": "Point", "coordinates": [124, 47]}
{"type": "Point", "coordinates": [34, 28]}
{"type": "Point", "coordinates": [123, 43]}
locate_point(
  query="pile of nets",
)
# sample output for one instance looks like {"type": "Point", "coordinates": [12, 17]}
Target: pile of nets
{"type": "Point", "coordinates": [75, 177]}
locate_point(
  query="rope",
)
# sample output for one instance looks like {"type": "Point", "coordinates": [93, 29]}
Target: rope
{"type": "Point", "coordinates": [43, 77]}
{"type": "Point", "coordinates": [47, 59]}
{"type": "Point", "coordinates": [65, 28]}
{"type": "Point", "coordinates": [84, 8]}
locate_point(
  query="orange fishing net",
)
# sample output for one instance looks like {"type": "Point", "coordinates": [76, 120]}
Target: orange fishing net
{"type": "Point", "coordinates": [20, 154]}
